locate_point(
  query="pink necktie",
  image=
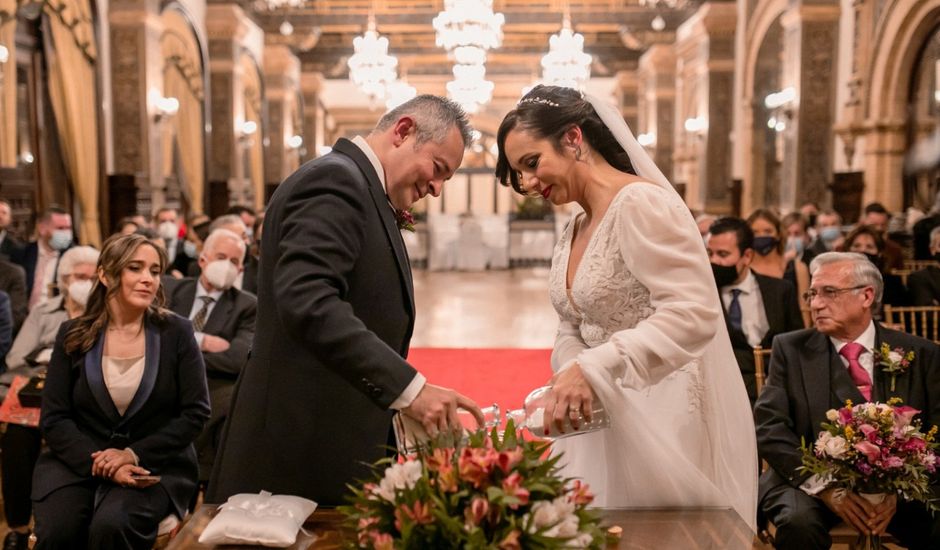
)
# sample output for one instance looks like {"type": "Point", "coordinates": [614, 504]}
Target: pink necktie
{"type": "Point", "coordinates": [851, 352]}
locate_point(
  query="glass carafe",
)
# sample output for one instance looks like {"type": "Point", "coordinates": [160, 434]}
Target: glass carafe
{"type": "Point", "coordinates": [531, 417]}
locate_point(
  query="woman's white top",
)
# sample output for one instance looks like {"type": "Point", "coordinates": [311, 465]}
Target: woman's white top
{"type": "Point", "coordinates": [122, 377]}
{"type": "Point", "coordinates": [644, 321]}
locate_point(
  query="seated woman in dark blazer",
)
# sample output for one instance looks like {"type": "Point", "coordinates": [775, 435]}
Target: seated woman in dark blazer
{"type": "Point", "coordinates": [125, 397]}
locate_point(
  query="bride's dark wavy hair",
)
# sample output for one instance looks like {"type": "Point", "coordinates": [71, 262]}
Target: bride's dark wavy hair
{"type": "Point", "coordinates": [548, 112]}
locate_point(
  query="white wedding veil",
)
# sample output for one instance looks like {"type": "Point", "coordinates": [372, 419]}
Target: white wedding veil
{"type": "Point", "coordinates": [728, 419]}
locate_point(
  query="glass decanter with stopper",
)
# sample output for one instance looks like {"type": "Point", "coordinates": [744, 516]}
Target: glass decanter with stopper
{"type": "Point", "coordinates": [532, 417]}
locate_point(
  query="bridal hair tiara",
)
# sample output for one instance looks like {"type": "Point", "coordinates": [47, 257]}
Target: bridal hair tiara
{"type": "Point", "coordinates": [540, 100]}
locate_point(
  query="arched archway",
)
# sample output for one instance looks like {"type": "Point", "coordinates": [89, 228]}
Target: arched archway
{"type": "Point", "coordinates": [906, 27]}
{"type": "Point", "coordinates": [758, 147]}
{"type": "Point", "coordinates": [253, 117]}
{"type": "Point", "coordinates": [183, 142]}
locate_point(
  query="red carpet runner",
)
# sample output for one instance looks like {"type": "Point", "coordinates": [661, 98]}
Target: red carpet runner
{"type": "Point", "coordinates": [503, 376]}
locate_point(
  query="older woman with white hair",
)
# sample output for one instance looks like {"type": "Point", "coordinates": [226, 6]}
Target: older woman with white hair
{"type": "Point", "coordinates": [19, 447]}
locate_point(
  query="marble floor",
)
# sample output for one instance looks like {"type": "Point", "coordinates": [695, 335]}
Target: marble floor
{"type": "Point", "coordinates": [489, 309]}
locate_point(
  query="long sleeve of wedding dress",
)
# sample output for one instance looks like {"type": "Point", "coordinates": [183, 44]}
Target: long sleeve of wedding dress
{"type": "Point", "coordinates": [643, 319]}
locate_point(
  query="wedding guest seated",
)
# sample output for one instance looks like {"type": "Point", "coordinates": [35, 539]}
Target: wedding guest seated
{"type": "Point", "coordinates": [924, 285]}
{"type": "Point", "coordinates": [828, 229]}
{"type": "Point", "coordinates": [124, 399]}
{"type": "Point", "coordinates": [817, 369]}
{"type": "Point", "coordinates": [224, 323]}
{"type": "Point", "coordinates": [32, 348]}
{"type": "Point", "coordinates": [877, 217]}
{"type": "Point", "coordinates": [13, 282]}
{"type": "Point", "coordinates": [769, 259]}
{"type": "Point", "coordinates": [868, 241]}
{"type": "Point", "coordinates": [756, 307]}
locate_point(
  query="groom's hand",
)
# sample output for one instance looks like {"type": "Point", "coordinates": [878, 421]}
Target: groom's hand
{"type": "Point", "coordinates": [436, 408]}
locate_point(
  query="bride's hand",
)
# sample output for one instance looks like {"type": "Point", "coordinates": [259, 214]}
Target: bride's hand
{"type": "Point", "coordinates": [570, 396]}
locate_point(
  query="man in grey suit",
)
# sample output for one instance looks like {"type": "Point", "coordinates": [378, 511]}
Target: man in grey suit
{"type": "Point", "coordinates": [336, 312]}
{"type": "Point", "coordinates": [818, 369]}
{"type": "Point", "coordinates": [224, 322]}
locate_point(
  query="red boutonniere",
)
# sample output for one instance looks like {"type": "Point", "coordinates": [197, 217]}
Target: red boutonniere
{"type": "Point", "coordinates": [893, 361]}
{"type": "Point", "coordinates": [405, 220]}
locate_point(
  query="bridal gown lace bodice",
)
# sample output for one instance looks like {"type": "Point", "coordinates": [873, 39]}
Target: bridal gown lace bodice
{"type": "Point", "coordinates": [643, 320]}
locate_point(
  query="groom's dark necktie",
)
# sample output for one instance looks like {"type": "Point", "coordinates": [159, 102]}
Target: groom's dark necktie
{"type": "Point", "coordinates": [734, 310]}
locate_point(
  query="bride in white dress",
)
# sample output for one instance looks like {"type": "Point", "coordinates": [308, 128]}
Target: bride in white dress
{"type": "Point", "coordinates": [640, 317]}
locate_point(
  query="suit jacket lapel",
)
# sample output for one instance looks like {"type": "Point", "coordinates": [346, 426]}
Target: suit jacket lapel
{"type": "Point", "coordinates": [151, 368]}
{"type": "Point", "coordinates": [220, 313]}
{"type": "Point", "coordinates": [187, 294]}
{"type": "Point", "coordinates": [816, 378]}
{"type": "Point", "coordinates": [770, 301]}
{"type": "Point", "coordinates": [95, 375]}
{"type": "Point", "coordinates": [882, 382]}
{"type": "Point", "coordinates": [380, 201]}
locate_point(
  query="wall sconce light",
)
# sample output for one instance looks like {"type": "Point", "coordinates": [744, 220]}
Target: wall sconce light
{"type": "Point", "coordinates": [295, 141]}
{"type": "Point", "coordinates": [4, 54]}
{"type": "Point", "coordinates": [246, 130]}
{"type": "Point", "coordinates": [166, 108]}
{"type": "Point", "coordinates": [696, 125]}
{"type": "Point", "coordinates": [780, 99]}
{"type": "Point", "coordinates": [647, 139]}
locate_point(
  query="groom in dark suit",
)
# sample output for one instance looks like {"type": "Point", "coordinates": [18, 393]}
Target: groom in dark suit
{"type": "Point", "coordinates": [336, 312]}
{"type": "Point", "coordinates": [224, 323]}
{"type": "Point", "coordinates": [818, 369]}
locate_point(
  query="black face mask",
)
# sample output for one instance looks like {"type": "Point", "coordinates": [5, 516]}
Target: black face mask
{"type": "Point", "coordinates": [765, 245]}
{"type": "Point", "coordinates": [724, 274]}
{"type": "Point", "coordinates": [875, 259]}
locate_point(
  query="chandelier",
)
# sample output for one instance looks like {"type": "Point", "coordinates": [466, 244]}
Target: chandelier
{"type": "Point", "coordinates": [371, 68]}
{"type": "Point", "coordinates": [467, 29]}
{"type": "Point", "coordinates": [469, 88]}
{"type": "Point", "coordinates": [566, 64]}
{"type": "Point", "coordinates": [397, 93]}
{"type": "Point", "coordinates": [468, 24]}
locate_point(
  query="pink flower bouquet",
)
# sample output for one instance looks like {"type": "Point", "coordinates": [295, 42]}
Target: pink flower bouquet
{"type": "Point", "coordinates": [876, 449]}
{"type": "Point", "coordinates": [485, 493]}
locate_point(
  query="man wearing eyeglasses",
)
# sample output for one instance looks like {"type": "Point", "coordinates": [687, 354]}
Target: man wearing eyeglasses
{"type": "Point", "coordinates": [817, 369]}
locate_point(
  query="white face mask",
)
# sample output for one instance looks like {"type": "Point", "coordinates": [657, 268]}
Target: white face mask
{"type": "Point", "coordinates": [221, 274]}
{"type": "Point", "coordinates": [79, 292]}
{"type": "Point", "coordinates": [167, 231]}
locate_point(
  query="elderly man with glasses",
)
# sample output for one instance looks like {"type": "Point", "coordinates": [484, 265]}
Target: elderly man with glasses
{"type": "Point", "coordinates": [818, 369]}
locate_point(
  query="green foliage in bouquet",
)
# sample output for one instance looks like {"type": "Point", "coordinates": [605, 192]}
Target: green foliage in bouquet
{"type": "Point", "coordinates": [876, 448]}
{"type": "Point", "coordinates": [485, 492]}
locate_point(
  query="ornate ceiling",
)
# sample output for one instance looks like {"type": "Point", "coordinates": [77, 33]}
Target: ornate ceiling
{"type": "Point", "coordinates": [615, 31]}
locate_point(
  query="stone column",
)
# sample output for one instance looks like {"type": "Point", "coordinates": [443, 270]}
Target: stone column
{"type": "Point", "coordinates": [627, 93]}
{"type": "Point", "coordinates": [810, 40]}
{"type": "Point", "coordinates": [229, 30]}
{"type": "Point", "coordinates": [135, 29]}
{"type": "Point", "coordinates": [281, 89]}
{"type": "Point", "coordinates": [705, 85]}
{"type": "Point", "coordinates": [657, 76]}
{"type": "Point", "coordinates": [310, 85]}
